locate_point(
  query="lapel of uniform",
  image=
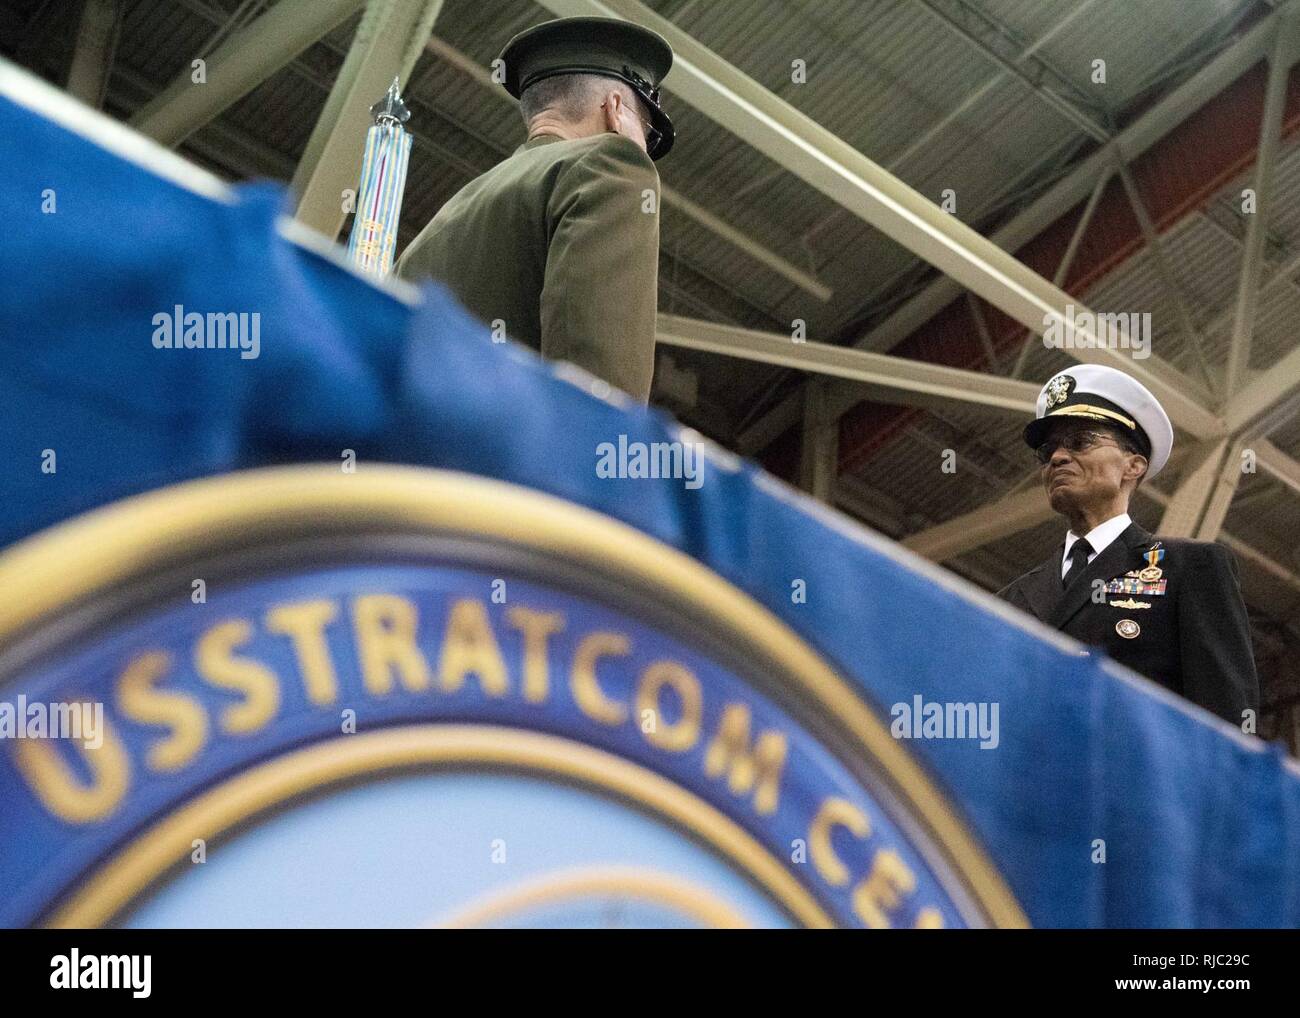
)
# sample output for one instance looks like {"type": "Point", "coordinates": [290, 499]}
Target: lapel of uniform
{"type": "Point", "coordinates": [1042, 586]}
{"type": "Point", "coordinates": [1118, 557]}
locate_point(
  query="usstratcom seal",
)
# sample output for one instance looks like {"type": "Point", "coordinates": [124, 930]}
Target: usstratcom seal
{"type": "Point", "coordinates": [405, 696]}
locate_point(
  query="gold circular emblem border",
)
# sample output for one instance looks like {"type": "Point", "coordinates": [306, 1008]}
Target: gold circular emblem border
{"type": "Point", "coordinates": [550, 889]}
{"type": "Point", "coordinates": [138, 536]}
{"type": "Point", "coordinates": [108, 892]}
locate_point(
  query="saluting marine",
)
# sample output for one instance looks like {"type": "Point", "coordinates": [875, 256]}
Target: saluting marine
{"type": "Point", "coordinates": [560, 242]}
{"type": "Point", "coordinates": [1172, 607]}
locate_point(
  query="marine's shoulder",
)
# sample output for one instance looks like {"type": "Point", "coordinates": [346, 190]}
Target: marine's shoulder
{"type": "Point", "coordinates": [602, 153]}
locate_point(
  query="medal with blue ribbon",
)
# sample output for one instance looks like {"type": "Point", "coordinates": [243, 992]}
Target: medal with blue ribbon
{"type": "Point", "coordinates": [1153, 572]}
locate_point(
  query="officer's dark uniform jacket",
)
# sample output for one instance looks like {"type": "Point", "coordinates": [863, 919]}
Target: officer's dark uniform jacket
{"type": "Point", "coordinates": [1192, 638]}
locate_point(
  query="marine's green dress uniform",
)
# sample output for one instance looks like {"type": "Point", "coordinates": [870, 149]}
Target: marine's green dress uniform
{"type": "Point", "coordinates": [561, 243]}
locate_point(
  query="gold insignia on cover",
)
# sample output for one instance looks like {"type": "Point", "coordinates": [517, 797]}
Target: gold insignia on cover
{"type": "Point", "coordinates": [1058, 389]}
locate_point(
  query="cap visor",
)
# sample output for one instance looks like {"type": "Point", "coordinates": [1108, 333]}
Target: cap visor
{"type": "Point", "coordinates": [667, 135]}
{"type": "Point", "coordinates": [1036, 432]}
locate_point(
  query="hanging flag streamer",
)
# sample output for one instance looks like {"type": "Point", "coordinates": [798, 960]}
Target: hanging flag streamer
{"type": "Point", "coordinates": [383, 180]}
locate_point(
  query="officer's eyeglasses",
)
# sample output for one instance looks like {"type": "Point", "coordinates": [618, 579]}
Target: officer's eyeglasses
{"type": "Point", "coordinates": [1076, 442]}
{"type": "Point", "coordinates": [652, 134]}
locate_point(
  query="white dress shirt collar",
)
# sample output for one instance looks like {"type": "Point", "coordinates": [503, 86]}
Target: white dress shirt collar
{"type": "Point", "coordinates": [1099, 537]}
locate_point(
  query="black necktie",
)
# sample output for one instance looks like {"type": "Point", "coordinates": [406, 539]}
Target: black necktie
{"type": "Point", "coordinates": [1078, 560]}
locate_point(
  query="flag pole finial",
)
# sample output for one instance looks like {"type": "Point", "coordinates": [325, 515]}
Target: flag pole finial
{"type": "Point", "coordinates": [391, 107]}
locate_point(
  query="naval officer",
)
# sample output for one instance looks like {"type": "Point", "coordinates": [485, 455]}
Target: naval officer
{"type": "Point", "coordinates": [1169, 608]}
{"type": "Point", "coordinates": [560, 242]}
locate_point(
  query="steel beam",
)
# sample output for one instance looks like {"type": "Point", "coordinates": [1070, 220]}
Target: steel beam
{"type": "Point", "coordinates": [1007, 516]}
{"type": "Point", "coordinates": [1277, 463]}
{"type": "Point", "coordinates": [879, 511]}
{"type": "Point", "coordinates": [1156, 249]}
{"type": "Point", "coordinates": [1270, 131]}
{"type": "Point", "coordinates": [93, 55]}
{"type": "Point", "coordinates": [931, 132]}
{"type": "Point", "coordinates": [982, 331]}
{"type": "Point", "coordinates": [819, 458]}
{"type": "Point", "coordinates": [1279, 276]}
{"type": "Point", "coordinates": [1067, 260]}
{"type": "Point", "coordinates": [755, 437]}
{"type": "Point", "coordinates": [1260, 395]}
{"type": "Point", "coordinates": [1221, 496]}
{"type": "Point", "coordinates": [239, 65]}
{"type": "Point", "coordinates": [1081, 119]}
{"type": "Point", "coordinates": [1182, 516]}
{"type": "Point", "coordinates": [891, 379]}
{"type": "Point", "coordinates": [1265, 562]}
{"type": "Point", "coordinates": [389, 40]}
{"type": "Point", "coordinates": [218, 142]}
